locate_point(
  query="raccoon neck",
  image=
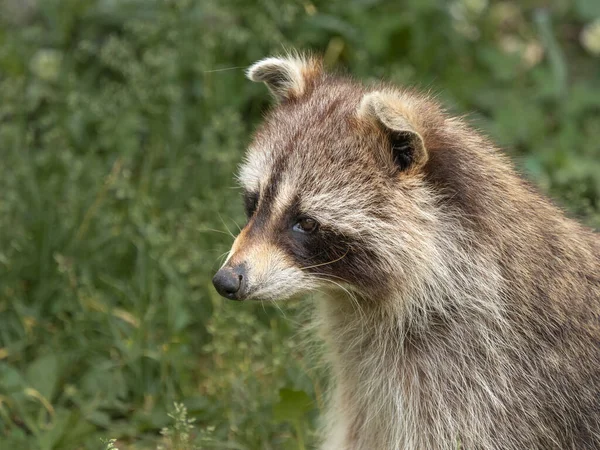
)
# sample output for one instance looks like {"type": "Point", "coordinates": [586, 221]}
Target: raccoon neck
{"type": "Point", "coordinates": [398, 361]}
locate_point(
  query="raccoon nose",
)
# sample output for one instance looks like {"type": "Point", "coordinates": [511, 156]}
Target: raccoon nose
{"type": "Point", "coordinates": [230, 282]}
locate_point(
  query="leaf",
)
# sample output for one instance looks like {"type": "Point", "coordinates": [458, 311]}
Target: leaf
{"type": "Point", "coordinates": [556, 57]}
{"type": "Point", "coordinates": [11, 380]}
{"type": "Point", "coordinates": [335, 25]}
{"type": "Point", "coordinates": [50, 437]}
{"type": "Point", "coordinates": [43, 374]}
{"type": "Point", "coordinates": [292, 406]}
{"type": "Point", "coordinates": [68, 431]}
{"type": "Point", "coordinates": [587, 9]}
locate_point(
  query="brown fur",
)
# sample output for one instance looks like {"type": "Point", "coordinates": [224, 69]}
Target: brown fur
{"type": "Point", "coordinates": [459, 305]}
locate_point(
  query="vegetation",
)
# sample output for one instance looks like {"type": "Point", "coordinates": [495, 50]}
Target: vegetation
{"type": "Point", "coordinates": [121, 124]}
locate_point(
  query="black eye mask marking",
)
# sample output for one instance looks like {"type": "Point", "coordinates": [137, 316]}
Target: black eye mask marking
{"type": "Point", "coordinates": [250, 203]}
{"type": "Point", "coordinates": [326, 252]}
{"type": "Point", "coordinates": [332, 255]}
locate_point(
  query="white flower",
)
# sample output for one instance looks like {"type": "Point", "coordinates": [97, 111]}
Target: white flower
{"type": "Point", "coordinates": [45, 64]}
{"type": "Point", "coordinates": [590, 37]}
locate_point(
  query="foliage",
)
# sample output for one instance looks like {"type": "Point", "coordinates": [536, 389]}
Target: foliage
{"type": "Point", "coordinates": [110, 444]}
{"type": "Point", "coordinates": [121, 124]}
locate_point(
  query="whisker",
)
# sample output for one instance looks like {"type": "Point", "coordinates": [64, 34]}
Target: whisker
{"type": "Point", "coordinates": [237, 225]}
{"type": "Point", "coordinates": [276, 304]}
{"type": "Point", "coordinates": [326, 263]}
{"type": "Point", "coordinates": [228, 230]}
{"type": "Point", "coordinates": [352, 296]}
{"type": "Point", "coordinates": [222, 256]}
{"type": "Point", "coordinates": [223, 69]}
{"type": "Point", "coordinates": [212, 229]}
{"type": "Point", "coordinates": [262, 303]}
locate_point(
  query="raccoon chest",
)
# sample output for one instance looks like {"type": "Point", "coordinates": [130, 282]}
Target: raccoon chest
{"type": "Point", "coordinates": [372, 406]}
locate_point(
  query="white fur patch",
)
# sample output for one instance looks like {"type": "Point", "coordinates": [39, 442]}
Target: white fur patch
{"type": "Point", "coordinates": [272, 275]}
{"type": "Point", "coordinates": [253, 171]}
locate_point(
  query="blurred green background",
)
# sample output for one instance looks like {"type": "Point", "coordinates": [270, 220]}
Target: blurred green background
{"type": "Point", "coordinates": [121, 125]}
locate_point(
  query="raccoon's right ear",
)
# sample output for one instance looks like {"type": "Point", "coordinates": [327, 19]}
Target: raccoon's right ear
{"type": "Point", "coordinates": [389, 111]}
{"type": "Point", "coordinates": [286, 77]}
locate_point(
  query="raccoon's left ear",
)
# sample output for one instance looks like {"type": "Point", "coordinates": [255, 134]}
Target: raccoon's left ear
{"type": "Point", "coordinates": [391, 112]}
{"type": "Point", "coordinates": [286, 77]}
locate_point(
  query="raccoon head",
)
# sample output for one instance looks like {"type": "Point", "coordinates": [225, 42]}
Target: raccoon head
{"type": "Point", "coordinates": [333, 188]}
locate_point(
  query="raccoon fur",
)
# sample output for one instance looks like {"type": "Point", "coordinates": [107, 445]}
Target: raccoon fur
{"type": "Point", "coordinates": [460, 308]}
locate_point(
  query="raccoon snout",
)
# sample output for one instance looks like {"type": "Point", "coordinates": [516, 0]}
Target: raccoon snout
{"type": "Point", "coordinates": [230, 282]}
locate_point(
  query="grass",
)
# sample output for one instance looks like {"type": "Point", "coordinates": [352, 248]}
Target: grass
{"type": "Point", "coordinates": [121, 124]}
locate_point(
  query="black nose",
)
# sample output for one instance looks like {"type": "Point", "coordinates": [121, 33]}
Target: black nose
{"type": "Point", "coordinates": [230, 282]}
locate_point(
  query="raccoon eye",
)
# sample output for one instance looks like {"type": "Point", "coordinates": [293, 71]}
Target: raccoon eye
{"type": "Point", "coordinates": [250, 203]}
{"type": "Point", "coordinates": [306, 225]}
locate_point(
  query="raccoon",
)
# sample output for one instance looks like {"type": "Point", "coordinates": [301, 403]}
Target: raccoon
{"type": "Point", "coordinates": [459, 307]}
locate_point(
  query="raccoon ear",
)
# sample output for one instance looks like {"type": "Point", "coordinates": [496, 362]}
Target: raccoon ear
{"type": "Point", "coordinates": [391, 113]}
{"type": "Point", "coordinates": [286, 77]}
